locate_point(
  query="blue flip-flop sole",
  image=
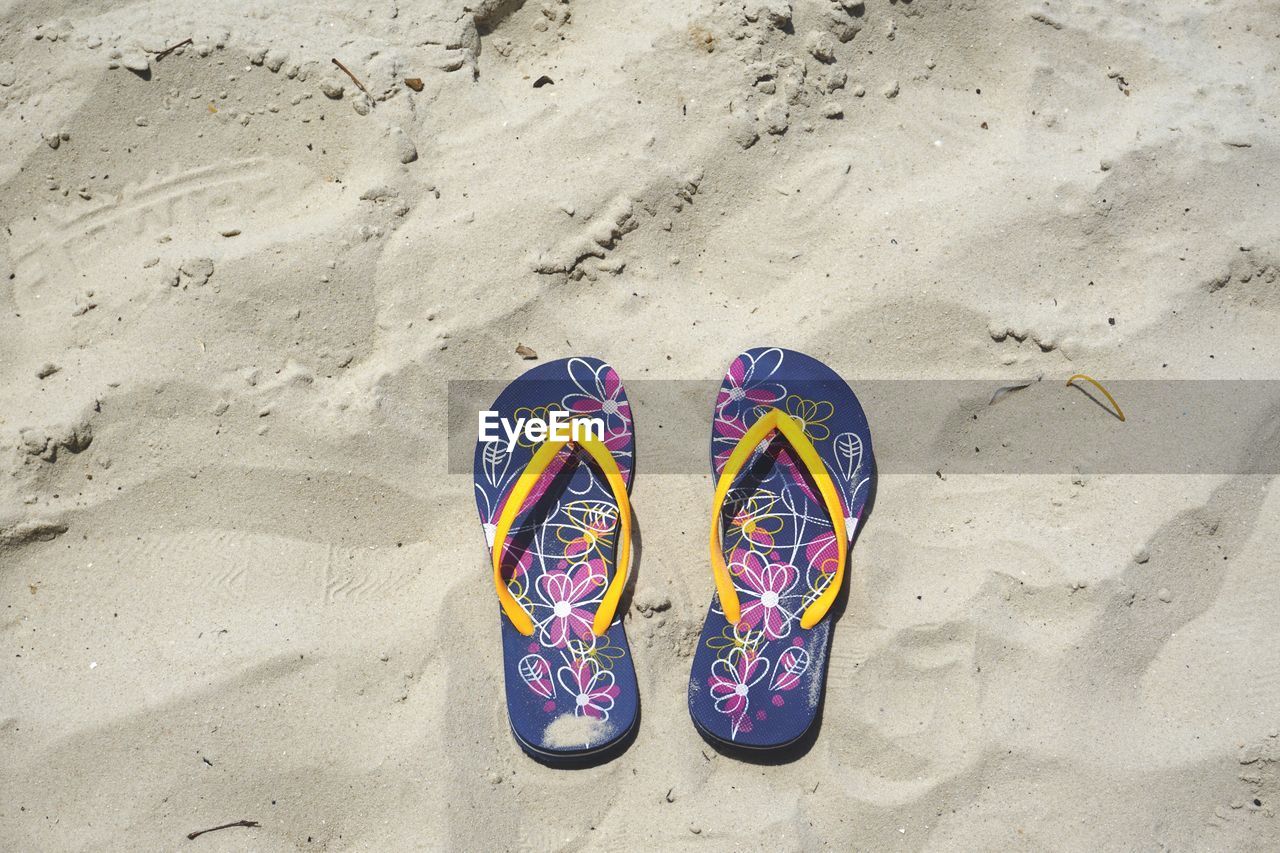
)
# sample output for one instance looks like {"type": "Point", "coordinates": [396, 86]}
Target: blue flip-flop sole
{"type": "Point", "coordinates": [759, 685]}
{"type": "Point", "coordinates": [569, 694]}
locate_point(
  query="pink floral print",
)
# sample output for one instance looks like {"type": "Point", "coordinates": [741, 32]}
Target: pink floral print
{"type": "Point", "coordinates": [591, 687]}
{"type": "Point", "coordinates": [765, 592]}
{"type": "Point", "coordinates": [566, 605]}
{"type": "Point", "coordinates": [600, 395]}
{"type": "Point", "coordinates": [732, 677]}
{"type": "Point", "coordinates": [742, 392]}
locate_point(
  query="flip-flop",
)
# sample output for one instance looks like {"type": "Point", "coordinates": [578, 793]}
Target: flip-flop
{"type": "Point", "coordinates": [791, 454]}
{"type": "Point", "coordinates": [558, 523]}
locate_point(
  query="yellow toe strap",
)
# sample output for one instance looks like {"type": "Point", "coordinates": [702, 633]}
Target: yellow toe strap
{"type": "Point", "coordinates": [528, 478]}
{"type": "Point", "coordinates": [780, 421]}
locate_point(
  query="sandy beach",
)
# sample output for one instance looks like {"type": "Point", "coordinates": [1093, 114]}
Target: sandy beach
{"type": "Point", "coordinates": [240, 580]}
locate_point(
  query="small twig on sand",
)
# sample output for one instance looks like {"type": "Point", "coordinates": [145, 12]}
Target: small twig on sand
{"type": "Point", "coordinates": [354, 78]}
{"type": "Point", "coordinates": [171, 48]}
{"type": "Point", "coordinates": [1119, 413]}
{"type": "Point", "coordinates": [197, 834]}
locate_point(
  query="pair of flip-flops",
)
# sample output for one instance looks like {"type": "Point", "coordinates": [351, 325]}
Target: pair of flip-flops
{"type": "Point", "coordinates": [791, 454]}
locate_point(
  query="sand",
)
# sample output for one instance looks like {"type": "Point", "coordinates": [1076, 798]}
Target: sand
{"type": "Point", "coordinates": [239, 581]}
